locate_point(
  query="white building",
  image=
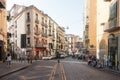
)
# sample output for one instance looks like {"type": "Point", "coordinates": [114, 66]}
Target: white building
{"type": "Point", "coordinates": [102, 19]}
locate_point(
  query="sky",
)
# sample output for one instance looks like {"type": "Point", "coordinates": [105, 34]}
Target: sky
{"type": "Point", "coordinates": [67, 13]}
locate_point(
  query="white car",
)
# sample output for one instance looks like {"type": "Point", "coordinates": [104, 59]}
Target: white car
{"type": "Point", "coordinates": [46, 57]}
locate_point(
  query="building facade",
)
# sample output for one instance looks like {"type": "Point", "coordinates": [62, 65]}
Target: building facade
{"type": "Point", "coordinates": [102, 19]}
{"type": "Point", "coordinates": [73, 43]}
{"type": "Point", "coordinates": [3, 30]}
{"type": "Point", "coordinates": [90, 26]}
{"type": "Point", "coordinates": [113, 30]}
{"type": "Point", "coordinates": [35, 33]}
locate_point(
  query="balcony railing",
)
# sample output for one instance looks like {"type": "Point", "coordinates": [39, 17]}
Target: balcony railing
{"type": "Point", "coordinates": [37, 21]}
{"type": "Point", "coordinates": [28, 45]}
{"type": "Point", "coordinates": [42, 23]}
{"type": "Point", "coordinates": [50, 25]}
{"type": "Point", "coordinates": [111, 25]}
{"type": "Point", "coordinates": [50, 34]}
{"type": "Point", "coordinates": [44, 35]}
{"type": "Point", "coordinates": [40, 45]}
{"type": "Point", "coordinates": [37, 32]}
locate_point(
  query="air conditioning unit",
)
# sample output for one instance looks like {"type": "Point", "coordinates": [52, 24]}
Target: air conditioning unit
{"type": "Point", "coordinates": [107, 0]}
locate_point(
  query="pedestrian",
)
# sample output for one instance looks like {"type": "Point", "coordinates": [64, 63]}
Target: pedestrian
{"type": "Point", "coordinates": [58, 56]}
{"type": "Point", "coordinates": [9, 58]}
{"type": "Point", "coordinates": [110, 63]}
{"type": "Point", "coordinates": [28, 58]}
{"type": "Point", "coordinates": [31, 57]}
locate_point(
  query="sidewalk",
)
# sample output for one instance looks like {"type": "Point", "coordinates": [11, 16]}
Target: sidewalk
{"type": "Point", "coordinates": [15, 66]}
{"type": "Point", "coordinates": [110, 70]}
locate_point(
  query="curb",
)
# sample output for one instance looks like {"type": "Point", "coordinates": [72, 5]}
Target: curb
{"type": "Point", "coordinates": [107, 70]}
{"type": "Point", "coordinates": [13, 71]}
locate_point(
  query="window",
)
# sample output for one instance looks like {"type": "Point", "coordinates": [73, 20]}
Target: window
{"type": "Point", "coordinates": [28, 28]}
{"type": "Point", "coordinates": [37, 27]}
{"type": "Point", "coordinates": [16, 34]}
{"type": "Point", "coordinates": [15, 24]}
{"type": "Point", "coordinates": [28, 16]}
{"type": "Point", "coordinates": [43, 30]}
{"type": "Point", "coordinates": [28, 40]}
{"type": "Point", "coordinates": [36, 16]}
{"type": "Point", "coordinates": [42, 20]}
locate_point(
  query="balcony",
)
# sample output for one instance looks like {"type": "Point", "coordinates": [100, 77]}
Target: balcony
{"type": "Point", "coordinates": [50, 34]}
{"type": "Point", "coordinates": [44, 35]}
{"type": "Point", "coordinates": [46, 25]}
{"type": "Point", "coordinates": [111, 25]}
{"type": "Point", "coordinates": [37, 21]}
{"type": "Point", "coordinates": [58, 40]}
{"type": "Point", "coordinates": [53, 39]}
{"type": "Point", "coordinates": [50, 24]}
{"type": "Point", "coordinates": [2, 4]}
{"type": "Point", "coordinates": [42, 23]}
{"type": "Point", "coordinates": [37, 32]}
{"type": "Point", "coordinates": [53, 30]}
{"type": "Point", "coordinates": [40, 45]}
{"type": "Point", "coordinates": [28, 20]}
{"type": "Point", "coordinates": [28, 32]}
{"type": "Point", "coordinates": [87, 40]}
{"type": "Point", "coordinates": [86, 26]}
{"type": "Point", "coordinates": [28, 45]}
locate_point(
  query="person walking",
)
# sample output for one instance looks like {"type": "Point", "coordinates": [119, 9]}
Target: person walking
{"type": "Point", "coordinates": [58, 56]}
{"type": "Point", "coordinates": [28, 58]}
{"type": "Point", "coordinates": [9, 58]}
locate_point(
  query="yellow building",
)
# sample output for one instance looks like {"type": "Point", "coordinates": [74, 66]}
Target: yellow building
{"type": "Point", "coordinates": [3, 29]}
{"type": "Point", "coordinates": [90, 26]}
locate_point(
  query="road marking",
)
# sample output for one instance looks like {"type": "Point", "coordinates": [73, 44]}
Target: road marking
{"type": "Point", "coordinates": [53, 72]}
{"type": "Point", "coordinates": [62, 72]}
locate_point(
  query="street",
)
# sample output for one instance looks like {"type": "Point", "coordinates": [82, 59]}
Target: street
{"type": "Point", "coordinates": [67, 69]}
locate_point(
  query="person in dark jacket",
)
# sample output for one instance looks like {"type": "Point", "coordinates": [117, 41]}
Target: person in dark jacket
{"type": "Point", "coordinates": [58, 56]}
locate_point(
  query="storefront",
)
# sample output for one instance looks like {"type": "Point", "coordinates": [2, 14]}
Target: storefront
{"type": "Point", "coordinates": [113, 46]}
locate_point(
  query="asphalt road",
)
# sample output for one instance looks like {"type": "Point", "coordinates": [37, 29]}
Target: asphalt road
{"type": "Point", "coordinates": [67, 69]}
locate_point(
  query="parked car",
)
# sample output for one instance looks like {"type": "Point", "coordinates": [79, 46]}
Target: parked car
{"type": "Point", "coordinates": [53, 56]}
{"type": "Point", "coordinates": [46, 57]}
{"type": "Point", "coordinates": [62, 55]}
